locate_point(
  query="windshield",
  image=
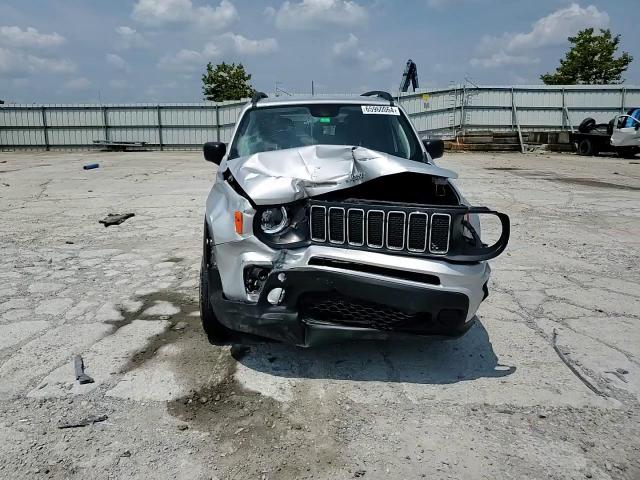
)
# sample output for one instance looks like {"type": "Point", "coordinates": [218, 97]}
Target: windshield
{"type": "Point", "coordinates": [277, 128]}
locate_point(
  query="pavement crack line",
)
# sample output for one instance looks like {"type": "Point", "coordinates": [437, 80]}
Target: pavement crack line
{"type": "Point", "coordinates": [573, 369]}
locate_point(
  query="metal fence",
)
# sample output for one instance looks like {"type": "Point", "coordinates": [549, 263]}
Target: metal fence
{"type": "Point", "coordinates": [436, 112]}
{"type": "Point", "coordinates": [530, 108]}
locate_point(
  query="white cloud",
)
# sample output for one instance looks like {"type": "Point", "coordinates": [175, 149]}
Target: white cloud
{"type": "Point", "coordinates": [116, 61]}
{"type": "Point", "coordinates": [80, 83]}
{"type": "Point", "coordinates": [350, 52]}
{"type": "Point", "coordinates": [502, 59]}
{"type": "Point", "coordinates": [190, 61]}
{"type": "Point", "coordinates": [15, 64]}
{"type": "Point", "coordinates": [13, 36]}
{"type": "Point", "coordinates": [53, 65]}
{"type": "Point", "coordinates": [130, 38]}
{"type": "Point", "coordinates": [381, 64]}
{"type": "Point", "coordinates": [158, 13]}
{"type": "Point", "coordinates": [118, 83]}
{"type": "Point", "coordinates": [316, 14]}
{"type": "Point", "coordinates": [185, 61]}
{"type": "Point", "coordinates": [212, 50]}
{"type": "Point", "coordinates": [246, 46]}
{"type": "Point", "coordinates": [554, 29]}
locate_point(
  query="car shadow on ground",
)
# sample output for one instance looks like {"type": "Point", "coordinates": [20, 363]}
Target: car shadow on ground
{"type": "Point", "coordinates": [414, 360]}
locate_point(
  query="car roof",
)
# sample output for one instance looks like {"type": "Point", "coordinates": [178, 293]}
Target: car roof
{"type": "Point", "coordinates": [319, 99]}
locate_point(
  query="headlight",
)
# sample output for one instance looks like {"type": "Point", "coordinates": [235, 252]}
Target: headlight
{"type": "Point", "coordinates": [274, 220]}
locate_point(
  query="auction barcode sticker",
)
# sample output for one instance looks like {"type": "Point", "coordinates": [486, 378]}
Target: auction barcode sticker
{"type": "Point", "coordinates": [380, 110]}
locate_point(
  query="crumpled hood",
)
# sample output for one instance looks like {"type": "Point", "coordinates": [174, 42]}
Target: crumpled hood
{"type": "Point", "coordinates": [283, 176]}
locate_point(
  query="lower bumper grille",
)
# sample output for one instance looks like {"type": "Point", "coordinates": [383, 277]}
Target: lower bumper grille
{"type": "Point", "coordinates": [339, 309]}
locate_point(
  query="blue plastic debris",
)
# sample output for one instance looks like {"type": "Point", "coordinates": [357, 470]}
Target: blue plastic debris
{"type": "Point", "coordinates": [91, 166]}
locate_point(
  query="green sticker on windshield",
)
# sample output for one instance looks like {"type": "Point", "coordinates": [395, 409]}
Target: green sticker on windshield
{"type": "Point", "coordinates": [325, 119]}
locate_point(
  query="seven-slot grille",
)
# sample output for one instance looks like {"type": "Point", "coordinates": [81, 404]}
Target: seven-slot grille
{"type": "Point", "coordinates": [396, 230]}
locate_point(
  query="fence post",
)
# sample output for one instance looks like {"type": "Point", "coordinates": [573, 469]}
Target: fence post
{"type": "Point", "coordinates": [160, 129]}
{"type": "Point", "coordinates": [105, 123]}
{"type": "Point", "coordinates": [464, 95]}
{"type": "Point", "coordinates": [44, 128]}
{"type": "Point", "coordinates": [564, 105]}
{"type": "Point", "coordinates": [513, 106]}
{"type": "Point", "coordinates": [217, 123]}
{"type": "Point", "coordinates": [517, 122]}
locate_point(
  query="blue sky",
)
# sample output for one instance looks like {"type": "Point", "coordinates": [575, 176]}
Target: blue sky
{"type": "Point", "coordinates": [155, 50]}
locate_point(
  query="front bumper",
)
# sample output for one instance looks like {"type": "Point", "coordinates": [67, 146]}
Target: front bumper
{"type": "Point", "coordinates": [303, 316]}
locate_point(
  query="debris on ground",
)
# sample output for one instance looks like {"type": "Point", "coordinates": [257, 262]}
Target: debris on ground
{"type": "Point", "coordinates": [116, 218]}
{"type": "Point", "coordinates": [180, 326]}
{"type": "Point", "coordinates": [81, 377]}
{"type": "Point", "coordinates": [90, 420]}
{"type": "Point", "coordinates": [90, 166]}
{"type": "Point", "coordinates": [620, 373]}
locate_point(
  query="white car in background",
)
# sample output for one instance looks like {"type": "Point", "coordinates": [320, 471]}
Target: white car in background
{"type": "Point", "coordinates": [626, 133]}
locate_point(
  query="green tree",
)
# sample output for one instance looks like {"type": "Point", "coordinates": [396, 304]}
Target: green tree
{"type": "Point", "coordinates": [226, 81]}
{"type": "Point", "coordinates": [590, 60]}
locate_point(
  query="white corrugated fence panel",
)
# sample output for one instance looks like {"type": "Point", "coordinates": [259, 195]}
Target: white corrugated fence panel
{"type": "Point", "coordinates": [190, 125]}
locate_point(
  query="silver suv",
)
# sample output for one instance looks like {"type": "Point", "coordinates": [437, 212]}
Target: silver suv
{"type": "Point", "coordinates": [329, 220]}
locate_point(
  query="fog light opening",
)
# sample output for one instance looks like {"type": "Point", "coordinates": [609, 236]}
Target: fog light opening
{"type": "Point", "coordinates": [275, 296]}
{"type": "Point", "coordinates": [254, 278]}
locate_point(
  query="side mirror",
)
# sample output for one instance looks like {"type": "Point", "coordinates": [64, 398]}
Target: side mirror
{"type": "Point", "coordinates": [435, 147]}
{"type": "Point", "coordinates": [214, 152]}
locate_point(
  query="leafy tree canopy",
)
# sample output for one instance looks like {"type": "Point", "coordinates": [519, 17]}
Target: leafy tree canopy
{"type": "Point", "coordinates": [226, 81]}
{"type": "Point", "coordinates": [590, 60]}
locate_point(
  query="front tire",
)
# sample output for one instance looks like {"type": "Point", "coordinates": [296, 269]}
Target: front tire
{"type": "Point", "coordinates": [216, 332]}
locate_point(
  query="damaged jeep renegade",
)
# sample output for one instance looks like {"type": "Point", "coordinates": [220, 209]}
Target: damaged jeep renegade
{"type": "Point", "coordinates": [329, 220]}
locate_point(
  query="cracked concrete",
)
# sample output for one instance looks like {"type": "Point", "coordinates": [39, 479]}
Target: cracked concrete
{"type": "Point", "coordinates": [496, 403]}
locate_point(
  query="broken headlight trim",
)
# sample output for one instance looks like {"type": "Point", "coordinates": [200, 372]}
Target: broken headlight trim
{"type": "Point", "coordinates": [282, 226]}
{"type": "Point", "coordinates": [274, 220]}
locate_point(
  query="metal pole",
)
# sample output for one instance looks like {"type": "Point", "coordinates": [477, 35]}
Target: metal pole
{"type": "Point", "coordinates": [44, 127]}
{"type": "Point", "coordinates": [105, 123]}
{"type": "Point", "coordinates": [564, 105]}
{"type": "Point", "coordinates": [312, 89]}
{"type": "Point", "coordinates": [515, 116]}
{"type": "Point", "coordinates": [464, 94]}
{"type": "Point", "coordinates": [513, 106]}
{"type": "Point", "coordinates": [624, 95]}
{"type": "Point", "coordinates": [160, 129]}
{"type": "Point", "coordinates": [217, 123]}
